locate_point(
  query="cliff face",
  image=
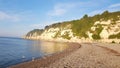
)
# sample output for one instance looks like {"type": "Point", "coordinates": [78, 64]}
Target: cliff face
{"type": "Point", "coordinates": [104, 27]}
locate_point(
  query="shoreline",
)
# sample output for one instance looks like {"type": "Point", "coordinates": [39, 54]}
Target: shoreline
{"type": "Point", "coordinates": [47, 60]}
{"type": "Point", "coordinates": [77, 40]}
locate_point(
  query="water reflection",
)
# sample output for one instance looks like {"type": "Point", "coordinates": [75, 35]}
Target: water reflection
{"type": "Point", "coordinates": [48, 47]}
{"type": "Point", "coordinates": [52, 47]}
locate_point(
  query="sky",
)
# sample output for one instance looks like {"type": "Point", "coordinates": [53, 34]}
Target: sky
{"type": "Point", "coordinates": [17, 17]}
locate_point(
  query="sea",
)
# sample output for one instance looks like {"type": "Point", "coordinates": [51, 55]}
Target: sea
{"type": "Point", "coordinates": [17, 50]}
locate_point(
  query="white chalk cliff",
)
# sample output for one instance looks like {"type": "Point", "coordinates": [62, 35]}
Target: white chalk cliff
{"type": "Point", "coordinates": [108, 28]}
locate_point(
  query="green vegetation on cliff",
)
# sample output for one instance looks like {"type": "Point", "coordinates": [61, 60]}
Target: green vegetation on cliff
{"type": "Point", "coordinates": [84, 24]}
{"type": "Point", "coordinates": [66, 36]}
{"type": "Point", "coordinates": [96, 34]}
{"type": "Point", "coordinates": [115, 36]}
{"type": "Point", "coordinates": [37, 31]}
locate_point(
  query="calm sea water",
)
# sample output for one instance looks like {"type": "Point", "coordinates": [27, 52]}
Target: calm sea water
{"type": "Point", "coordinates": [16, 50]}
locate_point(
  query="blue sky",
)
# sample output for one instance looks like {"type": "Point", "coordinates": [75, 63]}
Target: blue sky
{"type": "Point", "coordinates": [17, 17]}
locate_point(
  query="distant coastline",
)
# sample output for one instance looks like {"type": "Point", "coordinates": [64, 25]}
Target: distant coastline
{"type": "Point", "coordinates": [10, 37]}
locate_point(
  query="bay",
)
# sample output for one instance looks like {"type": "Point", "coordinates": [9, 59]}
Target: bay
{"type": "Point", "coordinates": [17, 50]}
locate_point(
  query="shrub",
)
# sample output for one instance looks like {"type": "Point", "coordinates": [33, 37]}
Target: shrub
{"type": "Point", "coordinates": [96, 37]}
{"type": "Point", "coordinates": [57, 34]}
{"type": "Point", "coordinates": [115, 36]}
{"type": "Point", "coordinates": [66, 36]}
{"type": "Point", "coordinates": [113, 41]}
